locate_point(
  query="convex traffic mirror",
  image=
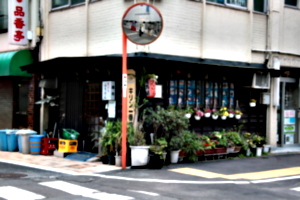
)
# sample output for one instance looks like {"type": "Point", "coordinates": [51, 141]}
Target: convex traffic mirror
{"type": "Point", "coordinates": [142, 23]}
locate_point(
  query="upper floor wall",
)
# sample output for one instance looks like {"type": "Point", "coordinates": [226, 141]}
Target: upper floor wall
{"type": "Point", "coordinates": [213, 29]}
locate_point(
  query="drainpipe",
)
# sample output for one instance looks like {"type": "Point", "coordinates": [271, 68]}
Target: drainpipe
{"type": "Point", "coordinates": [86, 27]}
{"type": "Point", "coordinates": [203, 19]}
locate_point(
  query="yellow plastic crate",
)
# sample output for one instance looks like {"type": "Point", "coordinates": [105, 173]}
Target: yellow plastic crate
{"type": "Point", "coordinates": [67, 146]}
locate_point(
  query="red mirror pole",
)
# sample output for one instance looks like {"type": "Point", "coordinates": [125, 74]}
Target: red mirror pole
{"type": "Point", "coordinates": [124, 100]}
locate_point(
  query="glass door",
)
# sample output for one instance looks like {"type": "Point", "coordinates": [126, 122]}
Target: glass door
{"type": "Point", "coordinates": [288, 112]}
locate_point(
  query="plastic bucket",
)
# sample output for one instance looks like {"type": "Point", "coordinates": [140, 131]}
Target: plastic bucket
{"type": "Point", "coordinates": [23, 140]}
{"type": "Point", "coordinates": [12, 140]}
{"type": "Point", "coordinates": [35, 144]}
{"type": "Point", "coordinates": [3, 140]}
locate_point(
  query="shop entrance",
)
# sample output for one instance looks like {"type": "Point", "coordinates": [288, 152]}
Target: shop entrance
{"type": "Point", "coordinates": [288, 131]}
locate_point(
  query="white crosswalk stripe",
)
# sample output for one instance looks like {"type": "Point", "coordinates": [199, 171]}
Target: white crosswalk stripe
{"type": "Point", "coordinates": [13, 193]}
{"type": "Point", "coordinates": [296, 189]}
{"type": "Point", "coordinates": [83, 191]}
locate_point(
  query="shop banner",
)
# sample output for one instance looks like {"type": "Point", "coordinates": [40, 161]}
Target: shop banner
{"type": "Point", "coordinates": [191, 92]}
{"type": "Point", "coordinates": [231, 94]}
{"type": "Point", "coordinates": [182, 92]}
{"type": "Point", "coordinates": [208, 93]}
{"type": "Point", "coordinates": [131, 94]}
{"type": "Point", "coordinates": [173, 93]}
{"type": "Point", "coordinates": [216, 96]}
{"type": "Point", "coordinates": [199, 100]}
{"type": "Point", "coordinates": [225, 93]}
{"type": "Point", "coordinates": [18, 21]}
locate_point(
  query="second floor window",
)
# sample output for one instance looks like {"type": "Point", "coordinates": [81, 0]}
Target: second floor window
{"type": "Point", "coordinates": [239, 3]}
{"type": "Point", "coordinates": [3, 16]}
{"type": "Point", "coordinates": [260, 6]}
{"type": "Point", "coordinates": [65, 3]}
{"type": "Point", "coordinates": [291, 2]}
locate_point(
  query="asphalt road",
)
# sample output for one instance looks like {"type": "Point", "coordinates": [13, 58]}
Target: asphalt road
{"type": "Point", "coordinates": [157, 184]}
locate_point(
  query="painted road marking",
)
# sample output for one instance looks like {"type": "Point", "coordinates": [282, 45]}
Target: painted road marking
{"type": "Point", "coordinates": [249, 176]}
{"type": "Point", "coordinates": [296, 189]}
{"type": "Point", "coordinates": [144, 192]}
{"type": "Point", "coordinates": [82, 191]}
{"type": "Point", "coordinates": [13, 193]}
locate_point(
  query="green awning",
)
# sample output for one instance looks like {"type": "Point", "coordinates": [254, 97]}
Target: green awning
{"type": "Point", "coordinates": [10, 63]}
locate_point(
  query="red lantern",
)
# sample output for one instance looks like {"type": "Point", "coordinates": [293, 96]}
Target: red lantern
{"type": "Point", "coordinates": [150, 88]}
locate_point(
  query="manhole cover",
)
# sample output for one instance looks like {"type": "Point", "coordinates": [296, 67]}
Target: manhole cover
{"type": "Point", "coordinates": [12, 175]}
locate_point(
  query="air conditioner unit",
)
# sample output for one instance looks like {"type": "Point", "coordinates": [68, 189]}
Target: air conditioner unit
{"type": "Point", "coordinates": [261, 81]}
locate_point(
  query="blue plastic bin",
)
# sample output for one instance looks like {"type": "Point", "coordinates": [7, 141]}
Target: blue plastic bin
{"type": "Point", "coordinates": [35, 144]}
{"type": "Point", "coordinates": [12, 140]}
{"type": "Point", "coordinates": [3, 140]}
{"type": "Point", "coordinates": [23, 139]}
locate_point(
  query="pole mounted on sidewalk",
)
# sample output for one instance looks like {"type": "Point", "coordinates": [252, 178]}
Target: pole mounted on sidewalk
{"type": "Point", "coordinates": [124, 100]}
{"type": "Point", "coordinates": [134, 23]}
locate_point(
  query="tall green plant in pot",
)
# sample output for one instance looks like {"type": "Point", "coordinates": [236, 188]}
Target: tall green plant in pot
{"type": "Point", "coordinates": [111, 139]}
{"type": "Point", "coordinates": [135, 132]}
{"type": "Point", "coordinates": [175, 146]}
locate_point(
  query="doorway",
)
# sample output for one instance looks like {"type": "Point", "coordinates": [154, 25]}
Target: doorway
{"type": "Point", "coordinates": [287, 114]}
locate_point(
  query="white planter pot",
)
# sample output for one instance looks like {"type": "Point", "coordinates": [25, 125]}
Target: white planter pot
{"type": "Point", "coordinates": [118, 160]}
{"type": "Point", "coordinates": [248, 153]}
{"type": "Point", "coordinates": [174, 156]}
{"type": "Point", "coordinates": [238, 116]}
{"type": "Point", "coordinates": [230, 150]}
{"type": "Point", "coordinates": [252, 104]}
{"type": "Point", "coordinates": [188, 115]}
{"type": "Point", "coordinates": [267, 148]}
{"type": "Point", "coordinates": [207, 115]}
{"type": "Point", "coordinates": [231, 115]}
{"type": "Point", "coordinates": [258, 151]}
{"type": "Point", "coordinates": [139, 155]}
{"type": "Point", "coordinates": [223, 117]}
{"type": "Point", "coordinates": [197, 117]}
{"type": "Point", "coordinates": [215, 116]}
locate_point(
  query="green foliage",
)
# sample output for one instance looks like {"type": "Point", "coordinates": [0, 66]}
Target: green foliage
{"type": "Point", "coordinates": [234, 138]}
{"type": "Point", "coordinates": [159, 147]}
{"type": "Point", "coordinates": [135, 136]}
{"type": "Point", "coordinates": [112, 136]}
{"type": "Point", "coordinates": [171, 121]}
{"type": "Point", "coordinates": [191, 144]}
{"type": "Point", "coordinates": [176, 142]}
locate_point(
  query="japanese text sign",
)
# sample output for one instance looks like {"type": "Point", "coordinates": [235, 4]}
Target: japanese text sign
{"type": "Point", "coordinates": [131, 91]}
{"type": "Point", "coordinates": [18, 21]}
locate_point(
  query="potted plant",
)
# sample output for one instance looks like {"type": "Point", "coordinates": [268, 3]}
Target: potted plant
{"type": "Point", "coordinates": [258, 141]}
{"type": "Point", "coordinates": [220, 142]}
{"type": "Point", "coordinates": [175, 146]}
{"type": "Point", "coordinates": [238, 114]}
{"type": "Point", "coordinates": [207, 112]}
{"type": "Point", "coordinates": [234, 140]}
{"type": "Point", "coordinates": [157, 151]}
{"type": "Point", "coordinates": [111, 140]}
{"type": "Point", "coordinates": [188, 112]}
{"type": "Point", "coordinates": [231, 113]}
{"type": "Point", "coordinates": [191, 145]}
{"type": "Point", "coordinates": [208, 145]}
{"type": "Point", "coordinates": [223, 112]}
{"type": "Point", "coordinates": [198, 114]}
{"type": "Point", "coordinates": [252, 102]}
{"type": "Point", "coordinates": [215, 114]}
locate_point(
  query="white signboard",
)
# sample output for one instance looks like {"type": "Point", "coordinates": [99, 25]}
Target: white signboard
{"type": "Point", "coordinates": [18, 21]}
{"type": "Point", "coordinates": [108, 90]}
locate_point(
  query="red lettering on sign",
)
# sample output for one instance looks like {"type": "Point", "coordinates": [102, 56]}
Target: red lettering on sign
{"type": "Point", "coordinates": [18, 36]}
{"type": "Point", "coordinates": [19, 11]}
{"type": "Point", "coordinates": [20, 1]}
{"type": "Point", "coordinates": [19, 23]}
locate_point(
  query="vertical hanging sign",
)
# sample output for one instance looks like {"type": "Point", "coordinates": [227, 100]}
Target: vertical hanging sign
{"type": "Point", "coordinates": [131, 95]}
{"type": "Point", "coordinates": [18, 22]}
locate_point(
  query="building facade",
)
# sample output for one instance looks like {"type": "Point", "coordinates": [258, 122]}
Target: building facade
{"type": "Point", "coordinates": [18, 47]}
{"type": "Point", "coordinates": [225, 52]}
